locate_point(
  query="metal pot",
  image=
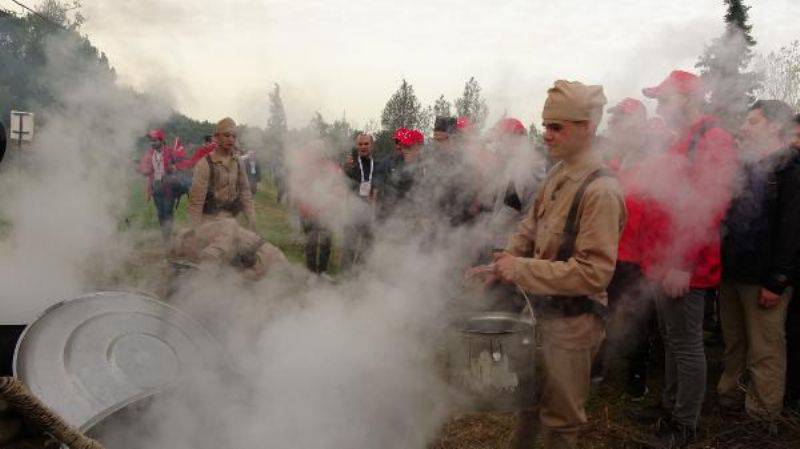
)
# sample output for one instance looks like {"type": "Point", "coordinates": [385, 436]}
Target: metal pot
{"type": "Point", "coordinates": [491, 357]}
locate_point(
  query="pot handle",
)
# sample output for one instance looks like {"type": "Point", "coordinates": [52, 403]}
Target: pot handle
{"type": "Point", "coordinates": [531, 319]}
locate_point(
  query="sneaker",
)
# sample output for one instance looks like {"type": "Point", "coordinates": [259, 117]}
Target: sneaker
{"type": "Point", "coordinates": [671, 435]}
{"type": "Point", "coordinates": [649, 415]}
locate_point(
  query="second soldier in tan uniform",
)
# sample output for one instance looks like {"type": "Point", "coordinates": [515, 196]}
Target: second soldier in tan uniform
{"type": "Point", "coordinates": [220, 188]}
{"type": "Point", "coordinates": [563, 256]}
{"type": "Point", "coordinates": [220, 191]}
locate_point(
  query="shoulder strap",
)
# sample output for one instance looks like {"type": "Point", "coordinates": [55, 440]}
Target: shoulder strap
{"type": "Point", "coordinates": [211, 175]}
{"type": "Point", "coordinates": [696, 140]}
{"type": "Point", "coordinates": [571, 225]}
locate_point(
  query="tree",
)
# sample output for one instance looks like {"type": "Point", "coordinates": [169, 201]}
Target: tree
{"type": "Point", "coordinates": [338, 136]}
{"type": "Point", "coordinates": [780, 72]}
{"type": "Point", "coordinates": [58, 12]}
{"type": "Point", "coordinates": [27, 81]}
{"type": "Point", "coordinates": [319, 125]}
{"type": "Point", "coordinates": [275, 133]}
{"type": "Point", "coordinates": [724, 63]}
{"type": "Point", "coordinates": [402, 110]}
{"type": "Point", "coordinates": [442, 107]}
{"type": "Point", "coordinates": [472, 105]}
{"type": "Point", "coordinates": [276, 124]}
{"type": "Point", "coordinates": [426, 118]}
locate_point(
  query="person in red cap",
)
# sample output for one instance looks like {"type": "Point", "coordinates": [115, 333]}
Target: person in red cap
{"type": "Point", "coordinates": [689, 191]}
{"type": "Point", "coordinates": [157, 164]}
{"type": "Point", "coordinates": [398, 177]}
{"type": "Point", "coordinates": [450, 178]}
{"type": "Point", "coordinates": [514, 180]}
{"type": "Point", "coordinates": [631, 311]}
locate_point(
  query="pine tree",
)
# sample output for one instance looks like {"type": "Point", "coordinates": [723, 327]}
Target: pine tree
{"type": "Point", "coordinates": [276, 124]}
{"type": "Point", "coordinates": [426, 118]}
{"type": "Point", "coordinates": [442, 107]}
{"type": "Point", "coordinates": [724, 63]}
{"type": "Point", "coordinates": [275, 134]}
{"type": "Point", "coordinates": [402, 110]}
{"type": "Point", "coordinates": [472, 105]}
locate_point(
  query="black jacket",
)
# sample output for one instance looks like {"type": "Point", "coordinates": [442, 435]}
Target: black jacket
{"type": "Point", "coordinates": [761, 236]}
{"type": "Point", "coordinates": [354, 173]}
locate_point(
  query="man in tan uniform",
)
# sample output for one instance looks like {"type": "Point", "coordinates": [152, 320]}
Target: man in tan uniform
{"type": "Point", "coordinates": [563, 255]}
{"type": "Point", "coordinates": [220, 191]}
{"type": "Point", "coordinates": [220, 188]}
{"type": "Point", "coordinates": [225, 240]}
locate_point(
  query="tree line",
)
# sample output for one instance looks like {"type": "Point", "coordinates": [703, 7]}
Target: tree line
{"type": "Point", "coordinates": [735, 76]}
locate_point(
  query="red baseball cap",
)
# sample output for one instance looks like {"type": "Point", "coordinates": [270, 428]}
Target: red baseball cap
{"type": "Point", "coordinates": [511, 126]}
{"type": "Point", "coordinates": [628, 106]}
{"type": "Point", "coordinates": [679, 82]}
{"type": "Point", "coordinates": [156, 134]}
{"type": "Point", "coordinates": [463, 123]}
{"type": "Point", "coordinates": [408, 137]}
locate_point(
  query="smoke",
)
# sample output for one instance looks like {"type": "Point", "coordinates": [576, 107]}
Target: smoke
{"type": "Point", "coordinates": [65, 205]}
{"type": "Point", "coordinates": [310, 363]}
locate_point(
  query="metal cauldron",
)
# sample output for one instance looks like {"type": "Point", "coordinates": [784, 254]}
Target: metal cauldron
{"type": "Point", "coordinates": [491, 357]}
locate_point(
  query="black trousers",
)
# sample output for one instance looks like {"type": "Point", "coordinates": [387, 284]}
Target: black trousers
{"type": "Point", "coordinates": [318, 246]}
{"type": "Point", "coordinates": [632, 323]}
{"type": "Point", "coordinates": [793, 347]}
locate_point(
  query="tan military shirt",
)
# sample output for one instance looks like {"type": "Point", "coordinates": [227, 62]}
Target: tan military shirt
{"type": "Point", "coordinates": [601, 216]}
{"type": "Point", "coordinates": [228, 185]}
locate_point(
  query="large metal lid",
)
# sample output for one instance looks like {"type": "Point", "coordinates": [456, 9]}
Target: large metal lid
{"type": "Point", "coordinates": [91, 356]}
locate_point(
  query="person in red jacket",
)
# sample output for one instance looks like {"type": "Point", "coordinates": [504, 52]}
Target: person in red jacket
{"type": "Point", "coordinates": [157, 164]}
{"type": "Point", "coordinates": [207, 148]}
{"type": "Point", "coordinates": [631, 310]}
{"type": "Point", "coordinates": [689, 189]}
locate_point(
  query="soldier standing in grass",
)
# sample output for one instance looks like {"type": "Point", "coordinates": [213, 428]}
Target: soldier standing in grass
{"type": "Point", "coordinates": [563, 255]}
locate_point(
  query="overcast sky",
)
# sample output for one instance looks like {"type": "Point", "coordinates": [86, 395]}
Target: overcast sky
{"type": "Point", "coordinates": [220, 57]}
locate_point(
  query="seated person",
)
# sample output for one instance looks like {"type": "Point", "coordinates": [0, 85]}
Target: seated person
{"type": "Point", "coordinates": [225, 241]}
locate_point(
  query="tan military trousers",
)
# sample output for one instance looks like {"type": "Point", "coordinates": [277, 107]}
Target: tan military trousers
{"type": "Point", "coordinates": [218, 240]}
{"type": "Point", "coordinates": [755, 342]}
{"type": "Point", "coordinates": [568, 347]}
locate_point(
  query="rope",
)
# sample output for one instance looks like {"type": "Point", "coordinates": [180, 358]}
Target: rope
{"type": "Point", "coordinates": [34, 411]}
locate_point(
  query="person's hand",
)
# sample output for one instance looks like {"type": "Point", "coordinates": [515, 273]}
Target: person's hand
{"type": "Point", "coordinates": [484, 273]}
{"type": "Point", "coordinates": [676, 283]}
{"type": "Point", "coordinates": [768, 299]}
{"type": "Point", "coordinates": [350, 161]}
{"type": "Point", "coordinates": [504, 266]}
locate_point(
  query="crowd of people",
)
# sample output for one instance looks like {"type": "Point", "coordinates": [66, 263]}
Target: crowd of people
{"type": "Point", "coordinates": [609, 234]}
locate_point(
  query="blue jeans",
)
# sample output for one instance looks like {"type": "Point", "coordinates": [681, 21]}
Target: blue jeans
{"type": "Point", "coordinates": [165, 207]}
{"type": "Point", "coordinates": [681, 323]}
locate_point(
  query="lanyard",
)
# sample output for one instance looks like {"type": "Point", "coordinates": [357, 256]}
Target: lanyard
{"type": "Point", "coordinates": [361, 167]}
